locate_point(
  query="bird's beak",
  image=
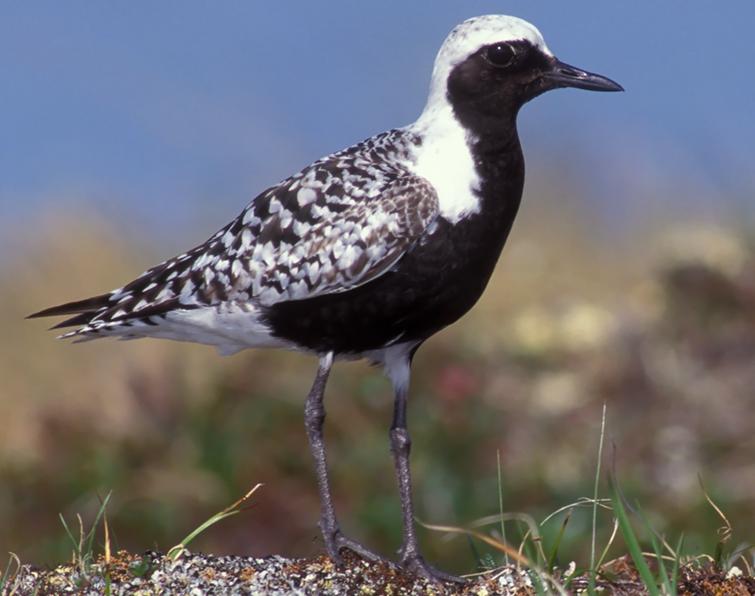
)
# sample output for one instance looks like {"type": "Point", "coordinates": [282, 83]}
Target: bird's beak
{"type": "Point", "coordinates": [563, 75]}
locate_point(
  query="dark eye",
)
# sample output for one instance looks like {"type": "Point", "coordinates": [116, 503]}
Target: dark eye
{"type": "Point", "coordinates": [500, 54]}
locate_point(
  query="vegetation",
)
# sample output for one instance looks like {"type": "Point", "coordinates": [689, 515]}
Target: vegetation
{"type": "Point", "coordinates": [667, 341]}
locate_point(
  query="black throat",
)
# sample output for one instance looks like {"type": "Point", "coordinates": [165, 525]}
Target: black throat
{"type": "Point", "coordinates": [499, 162]}
{"type": "Point", "coordinates": [488, 110]}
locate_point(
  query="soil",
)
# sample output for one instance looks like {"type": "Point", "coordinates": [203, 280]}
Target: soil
{"type": "Point", "coordinates": [152, 573]}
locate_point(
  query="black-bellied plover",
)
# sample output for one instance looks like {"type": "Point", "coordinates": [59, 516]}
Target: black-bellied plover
{"type": "Point", "coordinates": [367, 252]}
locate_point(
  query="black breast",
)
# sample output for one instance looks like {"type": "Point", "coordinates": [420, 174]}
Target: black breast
{"type": "Point", "coordinates": [434, 284]}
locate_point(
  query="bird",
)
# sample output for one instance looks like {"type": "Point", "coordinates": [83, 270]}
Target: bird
{"type": "Point", "coordinates": [367, 252]}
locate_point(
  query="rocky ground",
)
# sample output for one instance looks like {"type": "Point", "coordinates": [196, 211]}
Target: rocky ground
{"type": "Point", "coordinates": [153, 573]}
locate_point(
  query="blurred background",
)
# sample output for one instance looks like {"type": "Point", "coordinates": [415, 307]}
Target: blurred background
{"type": "Point", "coordinates": [132, 131]}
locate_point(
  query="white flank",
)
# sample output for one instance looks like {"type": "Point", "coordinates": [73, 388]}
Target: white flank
{"type": "Point", "coordinates": [229, 327]}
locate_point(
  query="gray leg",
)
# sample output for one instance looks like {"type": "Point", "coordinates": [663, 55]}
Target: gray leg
{"type": "Point", "coordinates": [409, 555]}
{"type": "Point", "coordinates": [314, 417]}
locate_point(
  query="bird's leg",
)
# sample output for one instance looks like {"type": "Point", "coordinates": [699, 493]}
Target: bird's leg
{"type": "Point", "coordinates": [409, 555]}
{"type": "Point", "coordinates": [314, 417]}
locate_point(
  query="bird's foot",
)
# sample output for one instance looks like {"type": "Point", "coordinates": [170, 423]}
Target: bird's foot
{"type": "Point", "coordinates": [335, 541]}
{"type": "Point", "coordinates": [416, 564]}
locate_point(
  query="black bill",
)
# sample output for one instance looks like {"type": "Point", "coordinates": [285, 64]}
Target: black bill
{"type": "Point", "coordinates": [563, 75]}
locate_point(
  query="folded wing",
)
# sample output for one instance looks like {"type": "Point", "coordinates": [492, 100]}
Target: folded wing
{"type": "Point", "coordinates": [307, 237]}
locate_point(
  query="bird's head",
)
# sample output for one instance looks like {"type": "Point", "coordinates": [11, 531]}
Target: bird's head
{"type": "Point", "coordinates": [489, 66]}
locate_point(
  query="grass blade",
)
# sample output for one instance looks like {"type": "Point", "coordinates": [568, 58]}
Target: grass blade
{"type": "Point", "coordinates": [540, 578]}
{"type": "Point", "coordinates": [593, 542]}
{"type": "Point", "coordinates": [665, 580]}
{"type": "Point", "coordinates": [500, 505]}
{"type": "Point", "coordinates": [476, 554]}
{"type": "Point", "coordinates": [7, 574]}
{"type": "Point", "coordinates": [631, 541]}
{"type": "Point", "coordinates": [89, 541]}
{"type": "Point", "coordinates": [537, 583]}
{"type": "Point", "coordinates": [233, 509]}
{"type": "Point", "coordinates": [557, 542]}
{"type": "Point", "coordinates": [677, 564]}
{"type": "Point", "coordinates": [724, 532]}
{"type": "Point", "coordinates": [490, 541]}
{"type": "Point", "coordinates": [604, 554]}
{"type": "Point", "coordinates": [74, 542]}
{"type": "Point", "coordinates": [528, 544]}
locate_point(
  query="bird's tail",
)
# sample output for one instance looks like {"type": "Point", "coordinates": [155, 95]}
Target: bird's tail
{"type": "Point", "coordinates": [83, 310]}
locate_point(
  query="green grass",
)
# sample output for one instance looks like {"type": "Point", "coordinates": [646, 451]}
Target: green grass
{"type": "Point", "coordinates": [539, 546]}
{"type": "Point", "coordinates": [596, 489]}
{"type": "Point", "coordinates": [83, 543]}
{"type": "Point", "coordinates": [540, 549]}
{"type": "Point", "coordinates": [233, 509]}
{"type": "Point", "coordinates": [632, 542]}
{"type": "Point", "coordinates": [7, 585]}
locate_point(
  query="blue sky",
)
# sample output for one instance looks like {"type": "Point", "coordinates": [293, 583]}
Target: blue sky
{"type": "Point", "coordinates": [177, 113]}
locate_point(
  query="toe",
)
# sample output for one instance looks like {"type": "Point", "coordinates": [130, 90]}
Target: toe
{"type": "Point", "coordinates": [417, 565]}
{"type": "Point", "coordinates": [361, 550]}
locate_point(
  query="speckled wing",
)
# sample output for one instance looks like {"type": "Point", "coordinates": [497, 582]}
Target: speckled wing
{"type": "Point", "coordinates": [345, 248]}
{"type": "Point", "coordinates": [329, 229]}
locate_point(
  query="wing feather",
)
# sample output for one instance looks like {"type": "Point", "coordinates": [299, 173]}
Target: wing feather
{"type": "Point", "coordinates": [336, 225]}
{"type": "Point", "coordinates": [354, 246]}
